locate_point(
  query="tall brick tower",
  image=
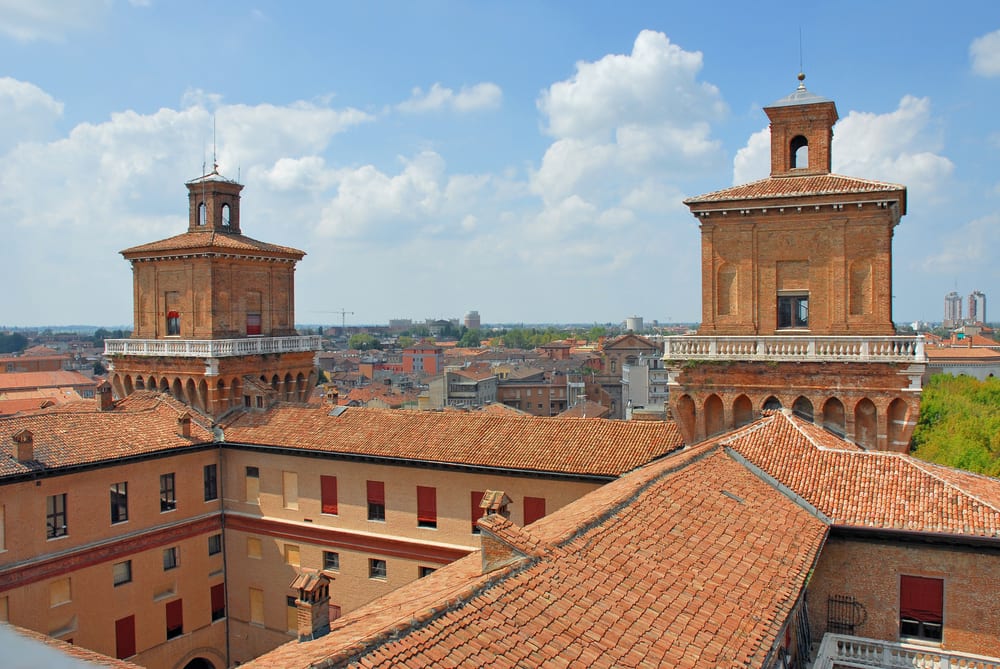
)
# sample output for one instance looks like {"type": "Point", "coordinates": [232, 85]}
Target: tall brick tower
{"type": "Point", "coordinates": [214, 313]}
{"type": "Point", "coordinates": [797, 296]}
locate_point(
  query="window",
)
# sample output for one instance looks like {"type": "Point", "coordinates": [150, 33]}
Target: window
{"type": "Point", "coordinates": [257, 606]}
{"type": "Point", "coordinates": [125, 637]}
{"type": "Point", "coordinates": [331, 561]}
{"type": "Point", "coordinates": [534, 508]}
{"type": "Point", "coordinates": [169, 558]}
{"type": "Point", "coordinates": [122, 572]}
{"type": "Point", "coordinates": [376, 500]}
{"type": "Point", "coordinates": [253, 324]}
{"type": "Point", "coordinates": [253, 547]}
{"type": "Point", "coordinates": [291, 614]}
{"type": "Point", "coordinates": [168, 493]}
{"type": "Point", "coordinates": [292, 555]}
{"type": "Point", "coordinates": [211, 482]}
{"type": "Point", "coordinates": [793, 311]}
{"type": "Point", "coordinates": [425, 571]}
{"type": "Point", "coordinates": [60, 592]}
{"type": "Point", "coordinates": [328, 494]}
{"type": "Point", "coordinates": [119, 502]}
{"type": "Point", "coordinates": [3, 528]}
{"type": "Point", "coordinates": [426, 506]}
{"type": "Point", "coordinates": [290, 490]}
{"type": "Point", "coordinates": [215, 544]}
{"type": "Point", "coordinates": [218, 601]}
{"type": "Point", "coordinates": [376, 569]}
{"type": "Point", "coordinates": [921, 607]}
{"type": "Point", "coordinates": [173, 323]}
{"type": "Point", "coordinates": [253, 485]}
{"type": "Point", "coordinates": [477, 512]}
{"type": "Point", "coordinates": [55, 516]}
{"type": "Point", "coordinates": [175, 618]}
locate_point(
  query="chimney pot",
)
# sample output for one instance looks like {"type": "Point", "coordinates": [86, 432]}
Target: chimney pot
{"type": "Point", "coordinates": [24, 446]}
{"type": "Point", "coordinates": [105, 399]}
{"type": "Point", "coordinates": [184, 423]}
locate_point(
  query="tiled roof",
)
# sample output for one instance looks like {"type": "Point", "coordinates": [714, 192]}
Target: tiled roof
{"type": "Point", "coordinates": [799, 186]}
{"type": "Point", "coordinates": [964, 352]}
{"type": "Point", "coordinates": [586, 409]}
{"type": "Point", "coordinates": [79, 433]}
{"type": "Point", "coordinates": [571, 445]}
{"type": "Point", "coordinates": [211, 241]}
{"type": "Point", "coordinates": [689, 562]}
{"type": "Point", "coordinates": [51, 379]}
{"type": "Point", "coordinates": [870, 489]}
{"type": "Point", "coordinates": [91, 658]}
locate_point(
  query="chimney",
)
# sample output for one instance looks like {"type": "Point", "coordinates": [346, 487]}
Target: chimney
{"type": "Point", "coordinates": [24, 446]}
{"type": "Point", "coordinates": [495, 502]}
{"type": "Point", "coordinates": [332, 395]}
{"type": "Point", "coordinates": [184, 424]}
{"type": "Point", "coordinates": [312, 604]}
{"type": "Point", "coordinates": [105, 400]}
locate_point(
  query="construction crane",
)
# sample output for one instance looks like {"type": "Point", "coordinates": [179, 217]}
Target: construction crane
{"type": "Point", "coordinates": [343, 317]}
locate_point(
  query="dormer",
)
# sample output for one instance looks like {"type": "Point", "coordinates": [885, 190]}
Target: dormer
{"type": "Point", "coordinates": [801, 133]}
{"type": "Point", "coordinates": [214, 204]}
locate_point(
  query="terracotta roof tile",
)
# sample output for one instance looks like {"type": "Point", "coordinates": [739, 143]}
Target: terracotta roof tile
{"type": "Point", "coordinates": [51, 379]}
{"type": "Point", "coordinates": [68, 649]}
{"type": "Point", "coordinates": [209, 242]}
{"type": "Point", "coordinates": [798, 186]}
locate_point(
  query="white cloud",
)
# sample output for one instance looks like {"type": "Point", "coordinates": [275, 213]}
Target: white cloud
{"type": "Point", "coordinates": [967, 249]}
{"type": "Point", "coordinates": [50, 20]}
{"type": "Point", "coordinates": [984, 52]}
{"type": "Point", "coordinates": [29, 113]}
{"type": "Point", "coordinates": [469, 98]}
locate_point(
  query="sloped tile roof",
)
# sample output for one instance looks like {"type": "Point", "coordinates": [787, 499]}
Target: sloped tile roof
{"type": "Point", "coordinates": [78, 433]}
{"type": "Point", "coordinates": [210, 241]}
{"type": "Point", "coordinates": [50, 379]}
{"type": "Point", "coordinates": [91, 658]}
{"type": "Point", "coordinates": [689, 562]}
{"type": "Point", "coordinates": [870, 489]}
{"type": "Point", "coordinates": [798, 186]}
{"type": "Point", "coordinates": [571, 446]}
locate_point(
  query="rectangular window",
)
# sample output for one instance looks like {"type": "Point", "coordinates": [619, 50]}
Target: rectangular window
{"type": "Point", "coordinates": [173, 323]}
{"type": "Point", "coordinates": [534, 508]}
{"type": "Point", "coordinates": [793, 311]}
{"type": "Point", "coordinates": [377, 569]}
{"type": "Point", "coordinates": [328, 494]}
{"type": "Point", "coordinates": [3, 528]}
{"type": "Point", "coordinates": [376, 500]}
{"type": "Point", "coordinates": [169, 558]}
{"type": "Point", "coordinates": [168, 493]}
{"type": "Point", "coordinates": [211, 482]}
{"type": "Point", "coordinates": [426, 506]}
{"type": "Point", "coordinates": [175, 618]}
{"type": "Point", "coordinates": [254, 547]}
{"type": "Point", "coordinates": [425, 571]}
{"type": "Point", "coordinates": [122, 572]}
{"type": "Point", "coordinates": [125, 637]}
{"type": "Point", "coordinates": [60, 592]}
{"type": "Point", "coordinates": [215, 544]}
{"type": "Point", "coordinates": [476, 512]}
{"type": "Point", "coordinates": [291, 614]}
{"type": "Point", "coordinates": [331, 561]}
{"type": "Point", "coordinates": [119, 502]}
{"type": "Point", "coordinates": [253, 485]}
{"type": "Point", "coordinates": [292, 555]}
{"type": "Point", "coordinates": [257, 606]}
{"type": "Point", "coordinates": [290, 490]}
{"type": "Point", "coordinates": [55, 516]}
{"type": "Point", "coordinates": [921, 607]}
{"type": "Point", "coordinates": [218, 601]}
{"type": "Point", "coordinates": [253, 324]}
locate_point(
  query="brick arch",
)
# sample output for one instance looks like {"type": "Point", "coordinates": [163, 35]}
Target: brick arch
{"type": "Point", "coordinates": [834, 416]}
{"type": "Point", "coordinates": [140, 384]}
{"type": "Point", "coordinates": [771, 403]}
{"type": "Point", "coordinates": [236, 392]}
{"type": "Point", "coordinates": [803, 407]}
{"type": "Point", "coordinates": [715, 415]}
{"type": "Point", "coordinates": [742, 411]}
{"type": "Point", "coordinates": [289, 387]}
{"type": "Point", "coordinates": [164, 385]}
{"type": "Point", "coordinates": [898, 435]}
{"type": "Point", "coordinates": [117, 386]}
{"type": "Point", "coordinates": [866, 424]}
{"type": "Point", "coordinates": [177, 389]}
{"type": "Point", "coordinates": [127, 383]}
{"type": "Point", "coordinates": [191, 394]}
{"type": "Point", "coordinates": [300, 388]}
{"type": "Point", "coordinates": [685, 417]}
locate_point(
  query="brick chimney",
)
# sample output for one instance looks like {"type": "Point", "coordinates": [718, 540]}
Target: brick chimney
{"type": "Point", "coordinates": [332, 395]}
{"type": "Point", "coordinates": [495, 502]}
{"type": "Point", "coordinates": [312, 604]}
{"type": "Point", "coordinates": [105, 400]}
{"type": "Point", "coordinates": [184, 425]}
{"type": "Point", "coordinates": [24, 446]}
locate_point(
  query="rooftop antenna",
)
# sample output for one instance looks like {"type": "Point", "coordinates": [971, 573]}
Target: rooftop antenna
{"type": "Point", "coordinates": [215, 162]}
{"type": "Point", "coordinates": [802, 74]}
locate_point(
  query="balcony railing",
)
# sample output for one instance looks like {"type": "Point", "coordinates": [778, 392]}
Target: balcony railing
{"type": "Point", "coordinates": [796, 348]}
{"type": "Point", "coordinates": [211, 348]}
{"type": "Point", "coordinates": [839, 650]}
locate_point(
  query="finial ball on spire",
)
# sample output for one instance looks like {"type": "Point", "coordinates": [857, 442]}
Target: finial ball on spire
{"type": "Point", "coordinates": [802, 76]}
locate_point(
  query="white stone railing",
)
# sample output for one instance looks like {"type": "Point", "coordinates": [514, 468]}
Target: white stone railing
{"type": "Point", "coordinates": [840, 650]}
{"type": "Point", "coordinates": [796, 348]}
{"type": "Point", "coordinates": [211, 348]}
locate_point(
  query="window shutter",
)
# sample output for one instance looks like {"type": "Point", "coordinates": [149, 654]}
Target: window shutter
{"type": "Point", "coordinates": [426, 504]}
{"type": "Point", "coordinates": [328, 492]}
{"type": "Point", "coordinates": [376, 492]}
{"type": "Point", "coordinates": [125, 637]}
{"type": "Point", "coordinates": [921, 598]}
{"type": "Point", "coordinates": [534, 508]}
{"type": "Point", "coordinates": [218, 597]}
{"type": "Point", "coordinates": [175, 614]}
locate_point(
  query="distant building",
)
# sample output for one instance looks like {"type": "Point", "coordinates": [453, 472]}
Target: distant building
{"type": "Point", "coordinates": [472, 321]}
{"type": "Point", "coordinates": [423, 359]}
{"type": "Point", "coordinates": [977, 307]}
{"type": "Point", "coordinates": [633, 324]}
{"type": "Point", "coordinates": [400, 324]}
{"type": "Point", "coordinates": [952, 310]}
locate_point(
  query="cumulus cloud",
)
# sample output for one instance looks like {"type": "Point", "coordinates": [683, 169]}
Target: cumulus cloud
{"type": "Point", "coordinates": [469, 98]}
{"type": "Point", "coordinates": [48, 20]}
{"type": "Point", "coordinates": [29, 113]}
{"type": "Point", "coordinates": [984, 52]}
{"type": "Point", "coordinates": [972, 247]}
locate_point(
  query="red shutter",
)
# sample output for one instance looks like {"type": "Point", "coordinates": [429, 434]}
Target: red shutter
{"type": "Point", "coordinates": [534, 508]}
{"type": "Point", "coordinates": [125, 637]}
{"type": "Point", "coordinates": [376, 492]}
{"type": "Point", "coordinates": [328, 491]}
{"type": "Point", "coordinates": [426, 504]}
{"type": "Point", "coordinates": [175, 614]}
{"type": "Point", "coordinates": [477, 512]}
{"type": "Point", "coordinates": [218, 597]}
{"type": "Point", "coordinates": [921, 598]}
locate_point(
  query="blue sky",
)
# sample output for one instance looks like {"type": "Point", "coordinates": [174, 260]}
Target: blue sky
{"type": "Point", "coordinates": [524, 159]}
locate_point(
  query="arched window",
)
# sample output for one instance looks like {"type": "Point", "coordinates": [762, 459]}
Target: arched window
{"type": "Point", "coordinates": [799, 152]}
{"type": "Point", "coordinates": [225, 215]}
{"type": "Point", "coordinates": [202, 214]}
{"type": "Point", "coordinates": [772, 403]}
{"type": "Point", "coordinates": [803, 408]}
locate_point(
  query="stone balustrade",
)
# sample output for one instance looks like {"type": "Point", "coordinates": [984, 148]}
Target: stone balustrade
{"type": "Point", "coordinates": [211, 348]}
{"type": "Point", "coordinates": [796, 348]}
{"type": "Point", "coordinates": [840, 650]}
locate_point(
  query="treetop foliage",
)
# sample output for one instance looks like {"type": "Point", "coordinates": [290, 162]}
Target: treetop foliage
{"type": "Point", "coordinates": [959, 424]}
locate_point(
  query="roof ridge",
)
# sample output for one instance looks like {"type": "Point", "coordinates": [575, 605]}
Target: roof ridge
{"type": "Point", "coordinates": [920, 464]}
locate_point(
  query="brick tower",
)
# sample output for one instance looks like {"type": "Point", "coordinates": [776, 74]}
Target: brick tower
{"type": "Point", "coordinates": [797, 297]}
{"type": "Point", "coordinates": [214, 313]}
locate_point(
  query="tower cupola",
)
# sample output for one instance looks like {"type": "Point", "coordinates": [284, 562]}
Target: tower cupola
{"type": "Point", "coordinates": [801, 133]}
{"type": "Point", "coordinates": [214, 204]}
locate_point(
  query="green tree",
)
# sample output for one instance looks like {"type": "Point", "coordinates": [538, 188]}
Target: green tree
{"type": "Point", "coordinates": [363, 342]}
{"type": "Point", "coordinates": [470, 339]}
{"type": "Point", "coordinates": [405, 341]}
{"type": "Point", "coordinates": [12, 343]}
{"type": "Point", "coordinates": [959, 424]}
